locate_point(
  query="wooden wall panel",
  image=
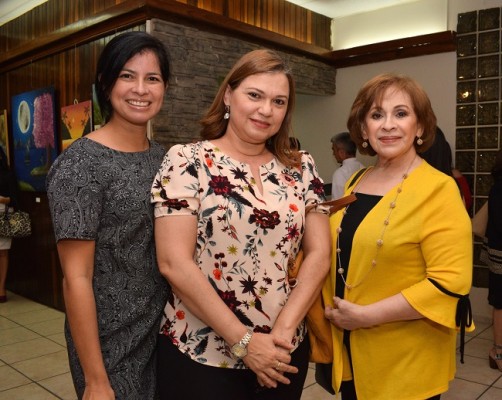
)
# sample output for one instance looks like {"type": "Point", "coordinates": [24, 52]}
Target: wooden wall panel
{"type": "Point", "coordinates": [275, 16]}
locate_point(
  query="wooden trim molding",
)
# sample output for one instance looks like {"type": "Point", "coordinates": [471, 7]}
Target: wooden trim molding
{"type": "Point", "coordinates": [136, 12]}
{"type": "Point", "coordinates": [394, 49]}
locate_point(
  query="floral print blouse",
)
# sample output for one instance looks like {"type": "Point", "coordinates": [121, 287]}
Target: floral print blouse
{"type": "Point", "coordinates": [244, 238]}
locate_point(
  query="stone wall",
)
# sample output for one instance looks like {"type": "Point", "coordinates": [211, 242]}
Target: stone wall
{"type": "Point", "coordinates": [200, 61]}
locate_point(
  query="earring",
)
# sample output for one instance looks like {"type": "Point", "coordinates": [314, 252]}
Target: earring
{"type": "Point", "coordinates": [227, 112]}
{"type": "Point", "coordinates": [364, 144]}
{"type": "Point", "coordinates": [420, 142]}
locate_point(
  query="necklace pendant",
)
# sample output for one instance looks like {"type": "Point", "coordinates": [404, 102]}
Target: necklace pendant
{"type": "Point", "coordinates": [348, 286]}
{"type": "Point", "coordinates": [341, 271]}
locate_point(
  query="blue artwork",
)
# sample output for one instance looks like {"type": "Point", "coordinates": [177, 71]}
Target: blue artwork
{"type": "Point", "coordinates": [34, 137]}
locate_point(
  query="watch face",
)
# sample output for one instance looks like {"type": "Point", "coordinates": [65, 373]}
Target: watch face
{"type": "Point", "coordinates": [239, 351]}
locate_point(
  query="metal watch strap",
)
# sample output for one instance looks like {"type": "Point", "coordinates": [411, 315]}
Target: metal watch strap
{"type": "Point", "coordinates": [246, 339]}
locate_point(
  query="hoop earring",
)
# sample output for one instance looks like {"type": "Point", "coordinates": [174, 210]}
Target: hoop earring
{"type": "Point", "coordinates": [227, 112]}
{"type": "Point", "coordinates": [364, 144]}
{"type": "Point", "coordinates": [420, 142]}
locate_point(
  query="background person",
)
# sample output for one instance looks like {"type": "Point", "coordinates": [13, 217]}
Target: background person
{"type": "Point", "coordinates": [344, 151]}
{"type": "Point", "coordinates": [99, 196]}
{"type": "Point", "coordinates": [230, 213]}
{"type": "Point", "coordinates": [491, 254]}
{"type": "Point", "coordinates": [8, 198]}
{"type": "Point", "coordinates": [440, 157]}
{"type": "Point", "coordinates": [392, 249]}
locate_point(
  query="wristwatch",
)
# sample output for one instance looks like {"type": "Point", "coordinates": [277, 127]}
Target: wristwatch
{"type": "Point", "coordinates": [240, 349]}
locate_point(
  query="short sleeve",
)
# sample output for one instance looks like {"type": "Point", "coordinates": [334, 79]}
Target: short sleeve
{"type": "Point", "coordinates": [175, 189]}
{"type": "Point", "coordinates": [314, 194]}
{"type": "Point", "coordinates": [74, 194]}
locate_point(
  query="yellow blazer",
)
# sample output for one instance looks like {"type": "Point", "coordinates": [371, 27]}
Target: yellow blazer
{"type": "Point", "coordinates": [429, 236]}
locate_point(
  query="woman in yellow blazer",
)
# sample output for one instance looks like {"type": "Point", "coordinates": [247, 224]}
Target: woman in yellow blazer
{"type": "Point", "coordinates": [403, 252]}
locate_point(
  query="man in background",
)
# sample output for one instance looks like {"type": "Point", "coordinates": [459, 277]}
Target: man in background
{"type": "Point", "coordinates": [344, 150]}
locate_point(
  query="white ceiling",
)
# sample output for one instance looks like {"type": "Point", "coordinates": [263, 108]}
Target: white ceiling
{"type": "Point", "coordinates": [11, 9]}
{"type": "Point", "coordinates": [343, 8]}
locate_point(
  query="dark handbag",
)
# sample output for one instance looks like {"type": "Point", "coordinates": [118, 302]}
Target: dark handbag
{"type": "Point", "coordinates": [15, 224]}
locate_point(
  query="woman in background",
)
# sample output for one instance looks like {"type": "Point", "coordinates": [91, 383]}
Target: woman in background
{"type": "Point", "coordinates": [403, 251]}
{"type": "Point", "coordinates": [8, 198]}
{"type": "Point", "coordinates": [99, 196]}
{"type": "Point", "coordinates": [491, 254]}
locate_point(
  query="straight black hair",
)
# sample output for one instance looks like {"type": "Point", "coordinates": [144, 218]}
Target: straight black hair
{"type": "Point", "coordinates": [116, 54]}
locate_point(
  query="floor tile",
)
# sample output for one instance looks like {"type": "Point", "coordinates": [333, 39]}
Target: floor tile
{"type": "Point", "coordinates": [27, 350]}
{"type": "Point", "coordinates": [492, 394]}
{"type": "Point", "coordinates": [45, 366]}
{"type": "Point", "coordinates": [27, 392]}
{"type": "Point", "coordinates": [59, 338]}
{"type": "Point", "coordinates": [315, 392]}
{"type": "Point", "coordinates": [464, 390]}
{"type": "Point", "coordinates": [480, 327]}
{"type": "Point", "coordinates": [310, 380]}
{"type": "Point", "coordinates": [60, 385]}
{"type": "Point", "coordinates": [498, 382]}
{"type": "Point", "coordinates": [17, 305]}
{"type": "Point", "coordinates": [16, 335]}
{"type": "Point", "coordinates": [6, 323]}
{"type": "Point", "coordinates": [10, 378]}
{"type": "Point", "coordinates": [478, 348]}
{"type": "Point", "coordinates": [34, 316]}
{"type": "Point", "coordinates": [46, 328]}
{"type": "Point", "coordinates": [477, 370]}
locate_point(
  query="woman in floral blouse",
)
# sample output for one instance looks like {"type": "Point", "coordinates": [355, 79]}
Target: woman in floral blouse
{"type": "Point", "coordinates": [230, 213]}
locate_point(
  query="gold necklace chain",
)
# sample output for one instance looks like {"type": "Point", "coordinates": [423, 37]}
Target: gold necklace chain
{"type": "Point", "coordinates": [379, 242]}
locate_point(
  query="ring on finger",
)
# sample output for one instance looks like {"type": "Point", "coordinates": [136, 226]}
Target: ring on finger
{"type": "Point", "coordinates": [278, 366]}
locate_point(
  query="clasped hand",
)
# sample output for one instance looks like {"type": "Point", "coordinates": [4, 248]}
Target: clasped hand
{"type": "Point", "coordinates": [269, 357]}
{"type": "Point", "coordinates": [347, 315]}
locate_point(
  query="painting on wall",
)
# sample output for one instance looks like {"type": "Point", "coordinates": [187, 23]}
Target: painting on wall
{"type": "Point", "coordinates": [76, 121]}
{"type": "Point", "coordinates": [4, 135]}
{"type": "Point", "coordinates": [34, 137]}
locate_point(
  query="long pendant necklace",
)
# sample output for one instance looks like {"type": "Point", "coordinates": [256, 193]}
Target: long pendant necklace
{"type": "Point", "coordinates": [379, 242]}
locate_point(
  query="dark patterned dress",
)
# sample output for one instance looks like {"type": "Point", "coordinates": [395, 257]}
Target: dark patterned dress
{"type": "Point", "coordinates": [97, 193]}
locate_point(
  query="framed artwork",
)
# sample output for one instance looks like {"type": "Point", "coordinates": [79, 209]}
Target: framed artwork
{"type": "Point", "coordinates": [4, 135]}
{"type": "Point", "coordinates": [34, 137]}
{"type": "Point", "coordinates": [76, 121]}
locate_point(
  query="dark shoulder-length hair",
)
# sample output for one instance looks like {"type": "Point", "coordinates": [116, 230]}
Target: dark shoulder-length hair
{"type": "Point", "coordinates": [116, 54]}
{"type": "Point", "coordinates": [373, 91]}
{"type": "Point", "coordinates": [252, 63]}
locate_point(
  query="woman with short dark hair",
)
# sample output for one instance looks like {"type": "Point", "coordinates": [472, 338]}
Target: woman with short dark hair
{"type": "Point", "coordinates": [99, 196]}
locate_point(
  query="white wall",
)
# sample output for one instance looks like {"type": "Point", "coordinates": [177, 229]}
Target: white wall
{"type": "Point", "coordinates": [405, 20]}
{"type": "Point", "coordinates": [316, 119]}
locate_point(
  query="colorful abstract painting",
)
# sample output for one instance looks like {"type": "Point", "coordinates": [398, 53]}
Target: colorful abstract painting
{"type": "Point", "coordinates": [34, 137]}
{"type": "Point", "coordinates": [4, 135]}
{"type": "Point", "coordinates": [76, 121]}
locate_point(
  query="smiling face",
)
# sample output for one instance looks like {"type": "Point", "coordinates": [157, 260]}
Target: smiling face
{"type": "Point", "coordinates": [391, 127]}
{"type": "Point", "coordinates": [257, 107]}
{"type": "Point", "coordinates": [138, 93]}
